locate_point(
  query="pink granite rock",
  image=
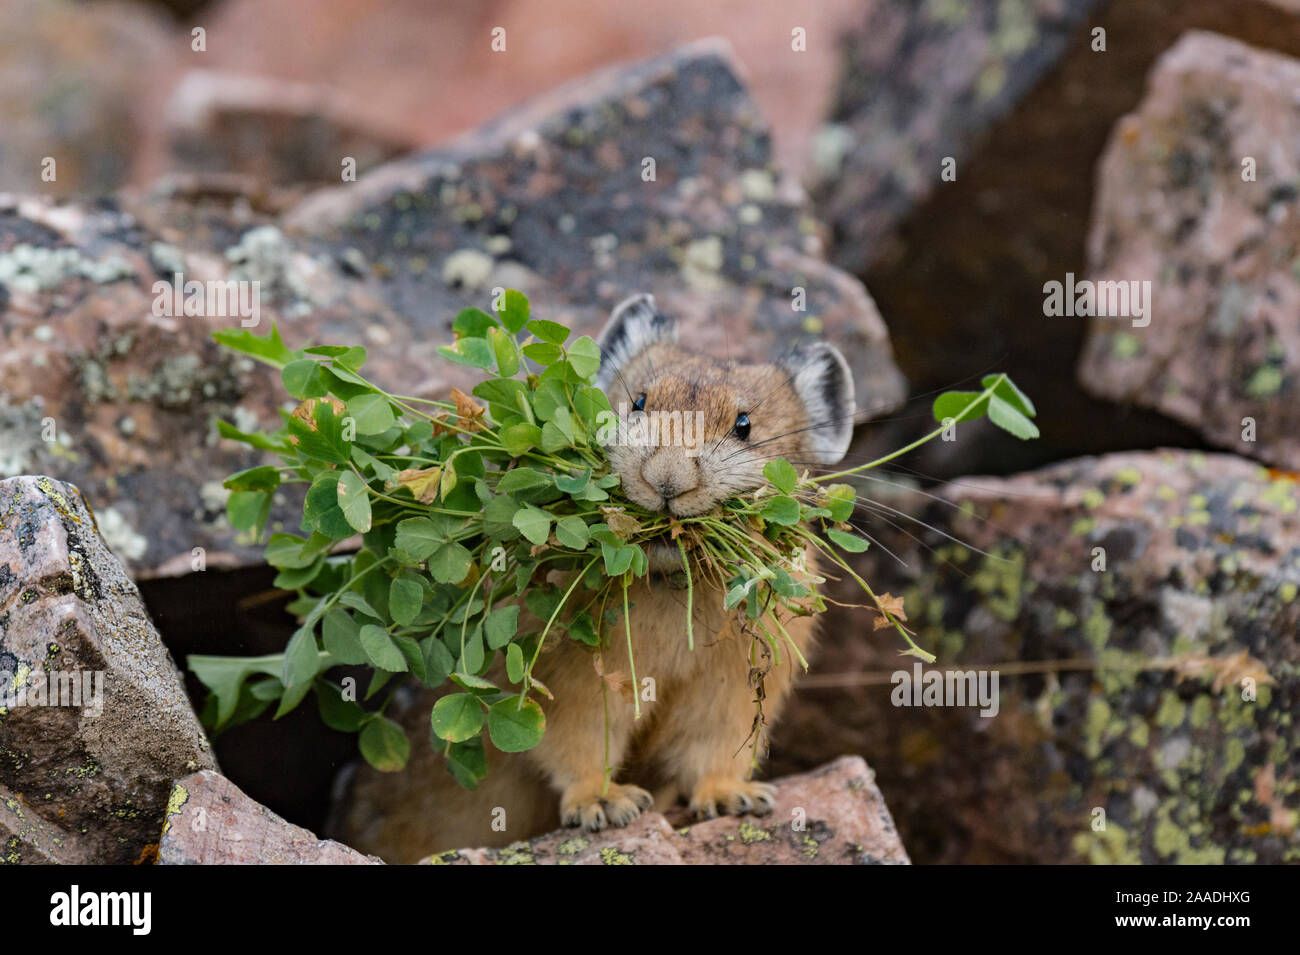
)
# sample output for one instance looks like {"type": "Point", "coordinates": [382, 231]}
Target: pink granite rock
{"type": "Point", "coordinates": [273, 130]}
{"type": "Point", "coordinates": [74, 80]}
{"type": "Point", "coordinates": [1198, 196]}
{"type": "Point", "coordinates": [833, 815]}
{"type": "Point", "coordinates": [211, 822]}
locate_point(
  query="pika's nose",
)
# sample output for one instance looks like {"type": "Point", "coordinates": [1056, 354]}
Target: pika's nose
{"type": "Point", "coordinates": [669, 477]}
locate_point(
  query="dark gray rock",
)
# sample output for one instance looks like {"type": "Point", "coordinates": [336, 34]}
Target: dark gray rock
{"type": "Point", "coordinates": [85, 780]}
{"type": "Point", "coordinates": [921, 82]}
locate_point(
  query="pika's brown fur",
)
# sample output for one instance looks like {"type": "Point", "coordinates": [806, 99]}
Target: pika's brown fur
{"type": "Point", "coordinates": [694, 737]}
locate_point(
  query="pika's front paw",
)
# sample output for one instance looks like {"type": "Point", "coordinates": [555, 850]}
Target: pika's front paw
{"type": "Point", "coordinates": [718, 795]}
{"type": "Point", "coordinates": [586, 806]}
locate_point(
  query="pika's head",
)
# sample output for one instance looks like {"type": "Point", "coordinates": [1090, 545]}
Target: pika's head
{"type": "Point", "coordinates": [695, 430]}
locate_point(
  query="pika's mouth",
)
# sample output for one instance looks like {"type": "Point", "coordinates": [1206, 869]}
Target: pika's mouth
{"type": "Point", "coordinates": [691, 503]}
{"type": "Point", "coordinates": [693, 507]}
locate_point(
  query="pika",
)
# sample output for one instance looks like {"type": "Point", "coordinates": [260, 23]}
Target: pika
{"type": "Point", "coordinates": [694, 738]}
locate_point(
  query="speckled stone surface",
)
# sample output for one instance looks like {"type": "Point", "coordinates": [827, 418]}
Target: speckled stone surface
{"type": "Point", "coordinates": [77, 785]}
{"type": "Point", "coordinates": [1142, 715]}
{"type": "Point", "coordinates": [211, 822]}
{"type": "Point", "coordinates": [273, 130]}
{"type": "Point", "coordinates": [1175, 207]}
{"type": "Point", "coordinates": [833, 815]}
{"type": "Point", "coordinates": [76, 79]}
{"type": "Point", "coordinates": [550, 200]}
{"type": "Point", "coordinates": [921, 82]}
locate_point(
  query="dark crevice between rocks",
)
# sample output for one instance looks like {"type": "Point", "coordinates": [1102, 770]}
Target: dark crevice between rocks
{"type": "Point", "coordinates": [182, 11]}
{"type": "Point", "coordinates": [288, 764]}
{"type": "Point", "coordinates": [960, 286]}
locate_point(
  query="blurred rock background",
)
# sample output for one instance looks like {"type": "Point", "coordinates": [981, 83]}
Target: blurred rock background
{"type": "Point", "coordinates": [1103, 139]}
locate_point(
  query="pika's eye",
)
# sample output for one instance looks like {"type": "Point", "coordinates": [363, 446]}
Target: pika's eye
{"type": "Point", "coordinates": [741, 427]}
{"type": "Point", "coordinates": [639, 404]}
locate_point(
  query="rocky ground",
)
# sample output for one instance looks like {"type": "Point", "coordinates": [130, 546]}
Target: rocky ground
{"type": "Point", "coordinates": [1132, 576]}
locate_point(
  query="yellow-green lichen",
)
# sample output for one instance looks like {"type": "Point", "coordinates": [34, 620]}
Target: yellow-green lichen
{"type": "Point", "coordinates": [1129, 477]}
{"type": "Point", "coordinates": [1092, 498]}
{"type": "Point", "coordinates": [517, 853]}
{"type": "Point", "coordinates": [175, 803]}
{"type": "Point", "coordinates": [1175, 843]}
{"type": "Point", "coordinates": [1201, 712]}
{"type": "Point", "coordinates": [1110, 846]}
{"type": "Point", "coordinates": [571, 847]}
{"type": "Point", "coordinates": [1001, 584]}
{"type": "Point", "coordinates": [1172, 710]}
{"type": "Point", "coordinates": [1095, 726]}
{"type": "Point", "coordinates": [1096, 626]}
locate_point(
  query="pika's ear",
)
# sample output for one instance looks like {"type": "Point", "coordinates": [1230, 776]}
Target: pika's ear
{"type": "Point", "coordinates": [822, 379]}
{"type": "Point", "coordinates": [634, 325]}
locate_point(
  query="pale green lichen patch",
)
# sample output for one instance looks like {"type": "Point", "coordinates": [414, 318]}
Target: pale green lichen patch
{"type": "Point", "coordinates": [701, 263]}
{"type": "Point", "coordinates": [120, 537]}
{"type": "Point", "coordinates": [571, 847]}
{"type": "Point", "coordinates": [33, 269]}
{"type": "Point", "coordinates": [517, 853]}
{"type": "Point", "coordinates": [467, 268]}
{"type": "Point", "coordinates": [1001, 584]}
{"type": "Point", "coordinates": [612, 856]}
{"type": "Point", "coordinates": [1125, 345]}
{"type": "Point", "coordinates": [1175, 842]}
{"type": "Point", "coordinates": [1096, 625]}
{"type": "Point", "coordinates": [1109, 846]}
{"type": "Point", "coordinates": [1172, 710]}
{"type": "Point", "coordinates": [1265, 382]}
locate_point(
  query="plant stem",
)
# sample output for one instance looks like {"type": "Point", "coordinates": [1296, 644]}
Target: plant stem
{"type": "Point", "coordinates": [631, 663]}
{"type": "Point", "coordinates": [690, 597]}
{"type": "Point", "coordinates": [918, 442]}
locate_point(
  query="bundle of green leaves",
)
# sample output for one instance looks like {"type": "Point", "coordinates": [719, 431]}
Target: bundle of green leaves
{"type": "Point", "coordinates": [427, 525]}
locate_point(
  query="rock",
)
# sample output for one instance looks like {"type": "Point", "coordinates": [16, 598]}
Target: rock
{"type": "Point", "coordinates": [103, 385]}
{"type": "Point", "coordinates": [960, 276]}
{"type": "Point", "coordinates": [1121, 689]}
{"type": "Point", "coordinates": [554, 199]}
{"type": "Point", "coordinates": [1198, 197]}
{"type": "Point", "coordinates": [272, 130]}
{"type": "Point", "coordinates": [920, 83]}
{"type": "Point", "coordinates": [87, 780]}
{"type": "Point", "coordinates": [843, 820]}
{"type": "Point", "coordinates": [211, 822]}
{"type": "Point", "coordinates": [73, 82]}
{"type": "Point", "coordinates": [433, 70]}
